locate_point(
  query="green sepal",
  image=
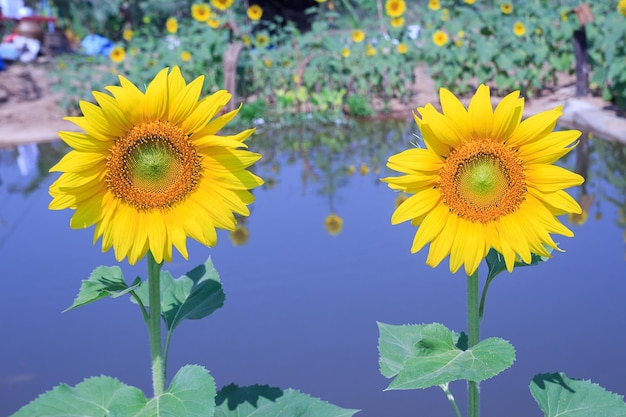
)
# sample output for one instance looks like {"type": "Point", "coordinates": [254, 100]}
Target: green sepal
{"type": "Point", "coordinates": [266, 401]}
{"type": "Point", "coordinates": [104, 281]}
{"type": "Point", "coordinates": [496, 264]}
{"type": "Point", "coordinates": [558, 395]}
{"type": "Point", "coordinates": [426, 355]}
{"type": "Point", "coordinates": [192, 296]}
{"type": "Point", "coordinates": [191, 393]}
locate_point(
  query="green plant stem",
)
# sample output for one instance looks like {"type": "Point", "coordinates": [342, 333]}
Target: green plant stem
{"type": "Point", "coordinates": [473, 336]}
{"type": "Point", "coordinates": [154, 325]}
{"type": "Point", "coordinates": [446, 389]}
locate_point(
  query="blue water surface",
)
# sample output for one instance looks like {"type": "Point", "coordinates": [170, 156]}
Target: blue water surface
{"type": "Point", "coordinates": [301, 304]}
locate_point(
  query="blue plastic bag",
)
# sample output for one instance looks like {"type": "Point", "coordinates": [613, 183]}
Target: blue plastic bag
{"type": "Point", "coordinates": [96, 44]}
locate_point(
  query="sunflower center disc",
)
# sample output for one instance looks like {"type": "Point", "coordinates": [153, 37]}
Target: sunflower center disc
{"type": "Point", "coordinates": [483, 181]}
{"type": "Point", "coordinates": [153, 167]}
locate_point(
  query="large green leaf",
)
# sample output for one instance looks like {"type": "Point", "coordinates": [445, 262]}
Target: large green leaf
{"type": "Point", "coordinates": [99, 396]}
{"type": "Point", "coordinates": [560, 396]}
{"type": "Point", "coordinates": [195, 295]}
{"type": "Point", "coordinates": [103, 282]}
{"type": "Point", "coordinates": [421, 356]}
{"type": "Point", "coordinates": [191, 393]}
{"type": "Point", "coordinates": [266, 401]}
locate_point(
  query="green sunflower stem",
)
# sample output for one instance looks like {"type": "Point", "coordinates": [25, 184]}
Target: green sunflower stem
{"type": "Point", "coordinates": [473, 336]}
{"type": "Point", "coordinates": [154, 325]}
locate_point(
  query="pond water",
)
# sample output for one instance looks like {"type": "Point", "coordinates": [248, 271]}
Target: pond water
{"type": "Point", "coordinates": [302, 304]}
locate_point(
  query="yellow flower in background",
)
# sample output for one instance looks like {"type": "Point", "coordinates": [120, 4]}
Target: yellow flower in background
{"type": "Point", "coordinates": [485, 180]}
{"type": "Point", "coordinates": [538, 31]}
{"type": "Point", "coordinates": [345, 52]}
{"type": "Point", "coordinates": [370, 50]}
{"type": "Point", "coordinates": [402, 48]}
{"type": "Point", "coordinates": [262, 40]}
{"type": "Point", "coordinates": [268, 63]}
{"type": "Point", "coordinates": [460, 34]}
{"type": "Point", "coordinates": [506, 8]}
{"type": "Point", "coordinates": [395, 8]}
{"type": "Point", "coordinates": [200, 12]}
{"type": "Point", "coordinates": [171, 24]}
{"type": "Point", "coordinates": [519, 29]}
{"type": "Point", "coordinates": [151, 170]}
{"type": "Point", "coordinates": [458, 43]}
{"type": "Point", "coordinates": [117, 54]}
{"type": "Point", "coordinates": [358, 35]}
{"type": "Point", "coordinates": [440, 38]}
{"type": "Point", "coordinates": [146, 19]}
{"type": "Point", "coordinates": [333, 224]}
{"type": "Point", "coordinates": [397, 22]}
{"type": "Point", "coordinates": [222, 5]}
{"type": "Point", "coordinates": [469, 1]}
{"type": "Point", "coordinates": [240, 235]}
{"type": "Point", "coordinates": [296, 78]}
{"type": "Point", "coordinates": [401, 198]}
{"type": "Point", "coordinates": [213, 23]}
{"type": "Point", "coordinates": [128, 35]}
{"type": "Point", "coordinates": [254, 12]}
{"type": "Point", "coordinates": [185, 56]}
{"type": "Point", "coordinates": [321, 1]}
{"type": "Point", "coordinates": [351, 169]}
{"type": "Point", "coordinates": [564, 14]}
{"type": "Point", "coordinates": [621, 7]}
{"type": "Point", "coordinates": [434, 5]}
{"type": "Point", "coordinates": [364, 169]}
{"type": "Point", "coordinates": [445, 15]}
{"type": "Point", "coordinates": [245, 39]}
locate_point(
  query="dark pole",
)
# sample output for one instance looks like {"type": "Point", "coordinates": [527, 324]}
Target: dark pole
{"type": "Point", "coordinates": [582, 62]}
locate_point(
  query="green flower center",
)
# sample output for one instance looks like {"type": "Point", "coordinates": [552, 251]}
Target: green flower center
{"type": "Point", "coordinates": [483, 180]}
{"type": "Point", "coordinates": [153, 165]}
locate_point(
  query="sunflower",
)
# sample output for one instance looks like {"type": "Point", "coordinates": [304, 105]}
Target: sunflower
{"type": "Point", "coordinates": [200, 12]}
{"type": "Point", "coordinates": [395, 8]}
{"type": "Point", "coordinates": [469, 1]}
{"type": "Point", "coordinates": [333, 224]}
{"type": "Point", "coordinates": [222, 5]}
{"type": "Point", "coordinates": [402, 48]}
{"type": "Point", "coordinates": [485, 180]}
{"type": "Point", "coordinates": [519, 29]}
{"type": "Point", "coordinates": [358, 35]}
{"type": "Point", "coordinates": [262, 40]}
{"type": "Point", "coordinates": [171, 24]}
{"type": "Point", "coordinates": [185, 56]}
{"type": "Point", "coordinates": [506, 8]}
{"type": "Point", "coordinates": [434, 5]}
{"type": "Point", "coordinates": [240, 235]}
{"type": "Point", "coordinates": [345, 52]}
{"type": "Point", "coordinates": [440, 38]}
{"type": "Point", "coordinates": [150, 170]}
{"type": "Point", "coordinates": [254, 12]}
{"type": "Point", "coordinates": [364, 169]}
{"type": "Point", "coordinates": [213, 23]}
{"type": "Point", "coordinates": [128, 35]}
{"type": "Point", "coordinates": [117, 54]}
{"type": "Point", "coordinates": [621, 7]}
{"type": "Point", "coordinates": [397, 22]}
{"type": "Point", "coordinates": [370, 50]}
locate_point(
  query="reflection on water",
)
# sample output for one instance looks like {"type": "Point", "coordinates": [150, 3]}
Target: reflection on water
{"type": "Point", "coordinates": [307, 276]}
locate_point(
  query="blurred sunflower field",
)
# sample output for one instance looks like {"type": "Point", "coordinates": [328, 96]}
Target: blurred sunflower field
{"type": "Point", "coordinates": [325, 59]}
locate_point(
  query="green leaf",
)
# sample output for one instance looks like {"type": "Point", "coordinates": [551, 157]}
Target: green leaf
{"type": "Point", "coordinates": [97, 396]}
{"type": "Point", "coordinates": [496, 264]}
{"type": "Point", "coordinates": [558, 395]}
{"type": "Point", "coordinates": [421, 356]}
{"type": "Point", "coordinates": [103, 282]}
{"type": "Point", "coordinates": [266, 401]}
{"type": "Point", "coordinates": [191, 393]}
{"type": "Point", "coordinates": [193, 296]}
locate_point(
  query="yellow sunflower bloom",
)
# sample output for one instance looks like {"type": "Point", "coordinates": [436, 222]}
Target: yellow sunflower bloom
{"type": "Point", "coordinates": [254, 12]}
{"type": "Point", "coordinates": [519, 29]}
{"type": "Point", "coordinates": [185, 56]}
{"type": "Point", "coordinates": [333, 224]}
{"type": "Point", "coordinates": [213, 23]}
{"type": "Point", "coordinates": [345, 52]}
{"type": "Point", "coordinates": [506, 8]}
{"type": "Point", "coordinates": [434, 5]}
{"type": "Point", "coordinates": [150, 170]}
{"type": "Point", "coordinates": [621, 7]}
{"type": "Point", "coordinates": [470, 1]}
{"type": "Point", "coordinates": [222, 5]}
{"type": "Point", "coordinates": [485, 180]}
{"type": "Point", "coordinates": [245, 39]}
{"type": "Point", "coordinates": [117, 54]}
{"type": "Point", "coordinates": [395, 8]}
{"type": "Point", "coordinates": [262, 40]}
{"type": "Point", "coordinates": [397, 22]}
{"type": "Point", "coordinates": [440, 38]}
{"type": "Point", "coordinates": [200, 12]}
{"type": "Point", "coordinates": [358, 35]}
{"type": "Point", "coordinates": [128, 35]}
{"type": "Point", "coordinates": [370, 50]}
{"type": "Point", "coordinates": [240, 235]}
{"type": "Point", "coordinates": [402, 48]}
{"type": "Point", "coordinates": [171, 24]}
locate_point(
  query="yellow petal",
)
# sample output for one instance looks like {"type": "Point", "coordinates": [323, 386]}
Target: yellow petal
{"type": "Point", "coordinates": [430, 227]}
{"type": "Point", "coordinates": [507, 116]}
{"type": "Point", "coordinates": [156, 99]}
{"type": "Point", "coordinates": [535, 127]}
{"type": "Point", "coordinates": [550, 178]}
{"type": "Point", "coordinates": [205, 111]}
{"type": "Point", "coordinates": [416, 205]}
{"type": "Point", "coordinates": [185, 102]}
{"type": "Point", "coordinates": [481, 113]}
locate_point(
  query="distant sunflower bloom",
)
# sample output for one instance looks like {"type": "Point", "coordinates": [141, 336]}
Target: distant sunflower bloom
{"type": "Point", "coordinates": [345, 52]}
{"type": "Point", "coordinates": [117, 54]}
{"type": "Point", "coordinates": [200, 12]}
{"type": "Point", "coordinates": [246, 40]}
{"type": "Point", "coordinates": [485, 180]}
{"type": "Point", "coordinates": [364, 169]}
{"type": "Point", "coordinates": [150, 169]}
{"type": "Point", "coordinates": [213, 23]}
{"type": "Point", "coordinates": [240, 235]}
{"type": "Point", "coordinates": [397, 22]}
{"type": "Point", "coordinates": [470, 1]}
{"type": "Point", "coordinates": [171, 24]}
{"type": "Point", "coordinates": [506, 8]}
{"type": "Point", "coordinates": [402, 48]}
{"type": "Point", "coordinates": [268, 63]}
{"type": "Point", "coordinates": [434, 5]}
{"type": "Point", "coordinates": [185, 56]}
{"type": "Point", "coordinates": [395, 8]}
{"type": "Point", "coordinates": [358, 35]}
{"type": "Point", "coordinates": [440, 38]}
{"type": "Point", "coordinates": [262, 40]}
{"type": "Point", "coordinates": [519, 29]}
{"type": "Point", "coordinates": [564, 14]}
{"type": "Point", "coordinates": [370, 50]}
{"type": "Point", "coordinates": [333, 224]}
{"type": "Point", "coordinates": [445, 15]}
{"type": "Point", "coordinates": [128, 35]}
{"type": "Point", "coordinates": [254, 12]}
{"type": "Point", "coordinates": [621, 7]}
{"type": "Point", "coordinates": [222, 5]}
